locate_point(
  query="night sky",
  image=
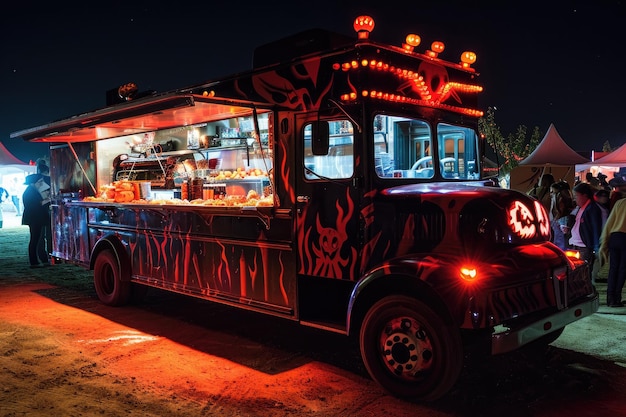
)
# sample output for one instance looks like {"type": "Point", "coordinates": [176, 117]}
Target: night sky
{"type": "Point", "coordinates": [540, 62]}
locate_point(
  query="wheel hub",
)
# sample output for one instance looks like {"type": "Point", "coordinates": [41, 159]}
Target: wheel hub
{"type": "Point", "coordinates": [406, 348]}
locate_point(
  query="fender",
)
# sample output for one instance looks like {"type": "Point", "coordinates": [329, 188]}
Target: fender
{"type": "Point", "coordinates": [120, 249]}
{"type": "Point", "coordinates": [418, 276]}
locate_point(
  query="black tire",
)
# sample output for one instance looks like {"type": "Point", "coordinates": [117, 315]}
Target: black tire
{"type": "Point", "coordinates": [409, 350]}
{"type": "Point", "coordinates": [112, 288]}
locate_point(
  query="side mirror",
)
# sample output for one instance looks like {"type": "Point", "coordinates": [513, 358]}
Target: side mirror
{"type": "Point", "coordinates": [319, 138]}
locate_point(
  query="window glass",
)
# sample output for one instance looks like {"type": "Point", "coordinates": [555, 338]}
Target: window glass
{"type": "Point", "coordinates": [339, 161]}
{"type": "Point", "coordinates": [458, 152]}
{"type": "Point", "coordinates": [404, 148]}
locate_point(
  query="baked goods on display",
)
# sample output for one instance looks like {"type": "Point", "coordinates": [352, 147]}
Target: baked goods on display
{"type": "Point", "coordinates": [129, 192]}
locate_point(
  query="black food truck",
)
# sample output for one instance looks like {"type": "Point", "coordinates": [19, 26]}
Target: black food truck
{"type": "Point", "coordinates": [338, 184]}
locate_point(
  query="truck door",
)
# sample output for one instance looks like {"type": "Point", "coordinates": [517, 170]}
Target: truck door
{"type": "Point", "coordinates": [327, 199]}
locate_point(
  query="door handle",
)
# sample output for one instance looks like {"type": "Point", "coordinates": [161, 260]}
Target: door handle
{"type": "Point", "coordinates": [304, 199]}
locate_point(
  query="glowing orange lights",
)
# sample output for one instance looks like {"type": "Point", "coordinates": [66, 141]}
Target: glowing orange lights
{"type": "Point", "coordinates": [426, 96]}
{"type": "Point", "coordinates": [572, 254]}
{"type": "Point", "coordinates": [418, 82]}
{"type": "Point", "coordinates": [521, 220]}
{"type": "Point", "coordinates": [542, 217]}
{"type": "Point", "coordinates": [466, 88]}
{"type": "Point", "coordinates": [208, 93]}
{"type": "Point", "coordinates": [467, 59]}
{"type": "Point", "coordinates": [363, 25]}
{"type": "Point", "coordinates": [468, 274]}
{"type": "Point", "coordinates": [413, 39]}
{"type": "Point", "coordinates": [411, 42]}
{"type": "Point", "coordinates": [408, 100]}
{"type": "Point", "coordinates": [436, 48]}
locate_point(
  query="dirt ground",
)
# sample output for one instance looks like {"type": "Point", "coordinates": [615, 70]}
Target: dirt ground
{"type": "Point", "coordinates": [63, 353]}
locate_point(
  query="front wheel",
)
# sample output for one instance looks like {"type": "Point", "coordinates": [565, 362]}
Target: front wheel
{"type": "Point", "coordinates": [111, 287]}
{"type": "Point", "coordinates": [409, 350]}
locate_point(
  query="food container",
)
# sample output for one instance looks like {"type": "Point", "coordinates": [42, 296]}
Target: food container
{"type": "Point", "coordinates": [196, 189]}
{"type": "Point", "coordinates": [145, 190]}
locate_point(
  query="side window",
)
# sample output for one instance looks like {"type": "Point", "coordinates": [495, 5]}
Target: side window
{"type": "Point", "coordinates": [458, 152]}
{"type": "Point", "coordinates": [338, 163]}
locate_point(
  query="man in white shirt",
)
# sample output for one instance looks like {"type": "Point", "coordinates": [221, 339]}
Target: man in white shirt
{"type": "Point", "coordinates": [588, 225]}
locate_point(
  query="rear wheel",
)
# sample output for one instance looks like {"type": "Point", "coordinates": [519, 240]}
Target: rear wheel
{"type": "Point", "coordinates": [111, 286]}
{"type": "Point", "coordinates": [409, 350]}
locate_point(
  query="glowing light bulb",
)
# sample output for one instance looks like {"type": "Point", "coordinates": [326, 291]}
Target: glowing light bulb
{"type": "Point", "coordinates": [467, 59]}
{"type": "Point", "coordinates": [411, 42]}
{"type": "Point", "coordinates": [363, 25]}
{"type": "Point", "coordinates": [436, 48]}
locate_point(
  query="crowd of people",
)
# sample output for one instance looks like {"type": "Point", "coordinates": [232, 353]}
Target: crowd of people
{"type": "Point", "coordinates": [590, 218]}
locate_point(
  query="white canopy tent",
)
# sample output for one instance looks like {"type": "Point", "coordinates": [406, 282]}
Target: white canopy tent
{"type": "Point", "coordinates": [552, 156]}
{"type": "Point", "coordinates": [552, 150]}
{"type": "Point", "coordinates": [12, 173]}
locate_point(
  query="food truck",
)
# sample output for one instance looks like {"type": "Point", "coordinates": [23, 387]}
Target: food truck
{"type": "Point", "coordinates": [337, 184]}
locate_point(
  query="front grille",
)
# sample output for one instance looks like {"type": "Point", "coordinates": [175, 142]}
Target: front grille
{"type": "Point", "coordinates": [579, 284]}
{"type": "Point", "coordinates": [518, 301]}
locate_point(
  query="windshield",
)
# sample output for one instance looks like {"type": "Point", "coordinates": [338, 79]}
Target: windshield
{"type": "Point", "coordinates": [405, 148]}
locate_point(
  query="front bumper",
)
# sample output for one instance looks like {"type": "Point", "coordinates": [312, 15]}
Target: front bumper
{"type": "Point", "coordinates": [510, 339]}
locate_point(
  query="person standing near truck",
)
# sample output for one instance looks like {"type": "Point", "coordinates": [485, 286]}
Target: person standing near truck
{"type": "Point", "coordinates": [542, 191]}
{"type": "Point", "coordinates": [561, 206]}
{"type": "Point", "coordinates": [613, 251]}
{"type": "Point", "coordinates": [36, 215]}
{"type": "Point", "coordinates": [588, 224]}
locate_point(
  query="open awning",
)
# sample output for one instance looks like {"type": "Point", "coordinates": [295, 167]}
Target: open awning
{"type": "Point", "coordinates": [138, 116]}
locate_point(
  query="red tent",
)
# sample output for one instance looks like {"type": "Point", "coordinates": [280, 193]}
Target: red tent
{"type": "Point", "coordinates": [7, 158]}
{"type": "Point", "coordinates": [615, 159]}
{"type": "Point", "coordinates": [9, 164]}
